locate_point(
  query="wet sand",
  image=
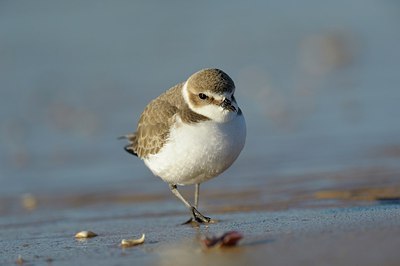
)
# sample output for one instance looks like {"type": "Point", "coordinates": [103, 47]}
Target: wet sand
{"type": "Point", "coordinates": [355, 225]}
{"type": "Point", "coordinates": [345, 236]}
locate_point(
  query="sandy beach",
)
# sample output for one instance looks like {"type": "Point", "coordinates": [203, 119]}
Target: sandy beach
{"type": "Point", "coordinates": [328, 227]}
{"type": "Point", "coordinates": [336, 236]}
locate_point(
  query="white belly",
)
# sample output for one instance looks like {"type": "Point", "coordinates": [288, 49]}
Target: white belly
{"type": "Point", "coordinates": [200, 151]}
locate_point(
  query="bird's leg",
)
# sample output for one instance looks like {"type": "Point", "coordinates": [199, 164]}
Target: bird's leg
{"type": "Point", "coordinates": [196, 196]}
{"type": "Point", "coordinates": [196, 215]}
{"type": "Point", "coordinates": [179, 196]}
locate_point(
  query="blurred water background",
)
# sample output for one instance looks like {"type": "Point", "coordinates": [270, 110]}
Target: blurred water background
{"type": "Point", "coordinates": [318, 82]}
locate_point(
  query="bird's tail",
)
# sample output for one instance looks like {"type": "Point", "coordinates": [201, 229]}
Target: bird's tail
{"type": "Point", "coordinates": [132, 140]}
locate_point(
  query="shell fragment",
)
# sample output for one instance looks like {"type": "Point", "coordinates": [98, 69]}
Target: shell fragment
{"type": "Point", "coordinates": [132, 242]}
{"type": "Point", "coordinates": [85, 234]}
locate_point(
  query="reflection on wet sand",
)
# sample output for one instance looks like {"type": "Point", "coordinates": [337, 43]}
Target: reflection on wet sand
{"type": "Point", "coordinates": [381, 194]}
{"type": "Point", "coordinates": [344, 188]}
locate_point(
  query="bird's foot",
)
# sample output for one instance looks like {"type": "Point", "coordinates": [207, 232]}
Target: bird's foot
{"type": "Point", "coordinates": [197, 217]}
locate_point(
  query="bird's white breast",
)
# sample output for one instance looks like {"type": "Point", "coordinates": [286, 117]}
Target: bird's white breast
{"type": "Point", "coordinates": [197, 152]}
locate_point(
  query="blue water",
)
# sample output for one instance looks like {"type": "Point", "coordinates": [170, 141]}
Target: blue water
{"type": "Point", "coordinates": [318, 83]}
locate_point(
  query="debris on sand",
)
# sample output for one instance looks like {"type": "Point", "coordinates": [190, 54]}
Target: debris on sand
{"type": "Point", "coordinates": [85, 234]}
{"type": "Point", "coordinates": [20, 260]}
{"type": "Point", "coordinates": [227, 239]}
{"type": "Point", "coordinates": [29, 202]}
{"type": "Point", "coordinates": [132, 242]}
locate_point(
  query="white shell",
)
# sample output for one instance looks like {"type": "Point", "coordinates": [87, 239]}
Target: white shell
{"type": "Point", "coordinates": [85, 234]}
{"type": "Point", "coordinates": [132, 242]}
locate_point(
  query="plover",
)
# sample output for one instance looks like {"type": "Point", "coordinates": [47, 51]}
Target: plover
{"type": "Point", "coordinates": [191, 133]}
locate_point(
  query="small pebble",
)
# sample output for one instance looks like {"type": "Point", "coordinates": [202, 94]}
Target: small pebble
{"type": "Point", "coordinates": [85, 234]}
{"type": "Point", "coordinates": [132, 242]}
{"type": "Point", "coordinates": [20, 260]}
{"type": "Point", "coordinates": [29, 202]}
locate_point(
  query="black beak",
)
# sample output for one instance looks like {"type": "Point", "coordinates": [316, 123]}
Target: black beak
{"type": "Point", "coordinates": [227, 104]}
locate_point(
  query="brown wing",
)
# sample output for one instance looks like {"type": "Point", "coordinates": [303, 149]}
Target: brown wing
{"type": "Point", "coordinates": [155, 122]}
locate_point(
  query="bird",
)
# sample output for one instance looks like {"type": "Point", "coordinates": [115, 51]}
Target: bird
{"type": "Point", "coordinates": [191, 133]}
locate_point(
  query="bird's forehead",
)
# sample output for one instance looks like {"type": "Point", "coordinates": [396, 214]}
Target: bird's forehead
{"type": "Point", "coordinates": [212, 92]}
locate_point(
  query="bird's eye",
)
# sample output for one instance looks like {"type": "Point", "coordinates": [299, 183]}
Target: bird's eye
{"type": "Point", "coordinates": [203, 96]}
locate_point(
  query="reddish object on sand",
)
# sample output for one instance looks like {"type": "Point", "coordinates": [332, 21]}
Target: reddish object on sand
{"type": "Point", "coordinates": [228, 239]}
